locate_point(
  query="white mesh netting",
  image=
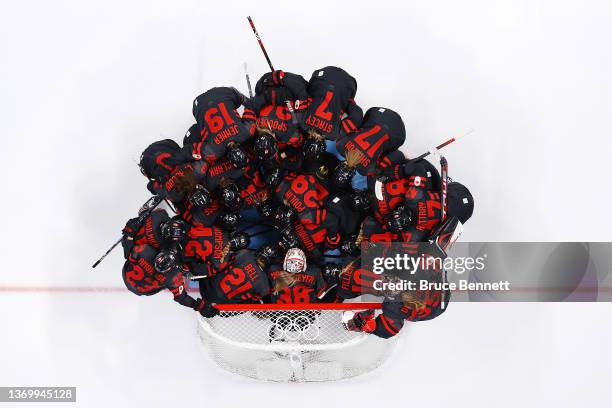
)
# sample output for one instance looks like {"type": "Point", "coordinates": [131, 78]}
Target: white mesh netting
{"type": "Point", "coordinates": [291, 345]}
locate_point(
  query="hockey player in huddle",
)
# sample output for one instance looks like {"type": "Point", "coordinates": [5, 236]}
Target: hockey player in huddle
{"type": "Point", "coordinates": [417, 305]}
{"type": "Point", "coordinates": [174, 174]}
{"type": "Point", "coordinates": [153, 260]}
{"type": "Point", "coordinates": [278, 105]}
{"type": "Point", "coordinates": [304, 216]}
{"type": "Point", "coordinates": [210, 249]}
{"type": "Point", "coordinates": [221, 129]}
{"type": "Point", "coordinates": [283, 157]}
{"type": "Point", "coordinates": [296, 280]}
{"type": "Point", "coordinates": [381, 131]}
{"type": "Point", "coordinates": [156, 230]}
{"type": "Point", "coordinates": [332, 106]}
{"type": "Point", "coordinates": [385, 194]}
{"type": "Point", "coordinates": [242, 281]}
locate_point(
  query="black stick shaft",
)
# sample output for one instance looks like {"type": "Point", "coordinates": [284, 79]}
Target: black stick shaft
{"type": "Point", "coordinates": [107, 252]}
{"type": "Point", "coordinates": [263, 49]}
{"type": "Point", "coordinates": [444, 192]}
{"type": "Point", "coordinates": [152, 203]}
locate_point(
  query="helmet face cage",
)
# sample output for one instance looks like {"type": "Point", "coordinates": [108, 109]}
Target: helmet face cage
{"type": "Point", "coordinates": [400, 219]}
{"type": "Point", "coordinates": [165, 261]}
{"type": "Point", "coordinates": [230, 197]}
{"type": "Point", "coordinates": [273, 177]}
{"type": "Point", "coordinates": [230, 220]}
{"type": "Point", "coordinates": [295, 261]}
{"type": "Point", "coordinates": [174, 230]}
{"type": "Point", "coordinates": [236, 156]}
{"type": "Point", "coordinates": [313, 148]}
{"type": "Point", "coordinates": [343, 174]}
{"type": "Point", "coordinates": [200, 197]}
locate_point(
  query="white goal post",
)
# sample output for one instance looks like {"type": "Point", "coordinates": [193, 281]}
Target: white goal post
{"type": "Point", "coordinates": [292, 342]}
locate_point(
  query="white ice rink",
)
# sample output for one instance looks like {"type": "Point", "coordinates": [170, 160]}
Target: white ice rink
{"type": "Point", "coordinates": [87, 85]}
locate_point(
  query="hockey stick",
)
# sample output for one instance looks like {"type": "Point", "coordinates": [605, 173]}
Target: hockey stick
{"type": "Point", "coordinates": [248, 80]}
{"type": "Point", "coordinates": [149, 206]}
{"type": "Point", "coordinates": [263, 49]}
{"type": "Point", "coordinates": [265, 53]}
{"type": "Point", "coordinates": [444, 187]}
{"type": "Point", "coordinates": [169, 204]}
{"type": "Point", "coordinates": [442, 145]}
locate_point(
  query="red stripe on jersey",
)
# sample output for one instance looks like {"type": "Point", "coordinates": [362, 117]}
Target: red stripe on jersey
{"type": "Point", "coordinates": [388, 325]}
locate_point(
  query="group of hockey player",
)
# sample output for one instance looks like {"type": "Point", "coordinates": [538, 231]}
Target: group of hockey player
{"type": "Point", "coordinates": [322, 178]}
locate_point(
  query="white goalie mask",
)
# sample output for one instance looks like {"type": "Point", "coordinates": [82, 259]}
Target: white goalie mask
{"type": "Point", "coordinates": [295, 261]}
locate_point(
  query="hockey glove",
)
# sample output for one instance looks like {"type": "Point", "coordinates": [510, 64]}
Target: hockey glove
{"type": "Point", "coordinates": [205, 308]}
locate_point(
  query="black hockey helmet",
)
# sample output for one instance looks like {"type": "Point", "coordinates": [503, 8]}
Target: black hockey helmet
{"type": "Point", "coordinates": [230, 197]}
{"type": "Point", "coordinates": [273, 176]}
{"type": "Point", "coordinates": [313, 147]}
{"type": "Point", "coordinates": [265, 145]}
{"type": "Point", "coordinates": [229, 221]}
{"type": "Point", "coordinates": [349, 245]}
{"type": "Point", "coordinates": [399, 219]}
{"type": "Point", "coordinates": [239, 240]}
{"type": "Point", "coordinates": [284, 215]}
{"type": "Point", "coordinates": [323, 167]}
{"type": "Point", "coordinates": [160, 158]}
{"type": "Point", "coordinates": [166, 260]}
{"type": "Point", "coordinates": [174, 230]}
{"type": "Point", "coordinates": [267, 252]}
{"type": "Point", "coordinates": [201, 197]}
{"type": "Point", "coordinates": [459, 201]}
{"type": "Point", "coordinates": [361, 200]}
{"type": "Point", "coordinates": [288, 239]}
{"type": "Point", "coordinates": [236, 155]}
{"type": "Point", "coordinates": [331, 272]}
{"type": "Point", "coordinates": [266, 209]}
{"type": "Point", "coordinates": [343, 175]}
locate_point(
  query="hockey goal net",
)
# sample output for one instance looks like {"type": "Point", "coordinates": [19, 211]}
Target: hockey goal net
{"type": "Point", "coordinates": [290, 343]}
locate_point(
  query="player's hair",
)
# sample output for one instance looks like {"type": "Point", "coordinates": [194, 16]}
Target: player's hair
{"type": "Point", "coordinates": [416, 299]}
{"type": "Point", "coordinates": [284, 280]}
{"type": "Point", "coordinates": [259, 200]}
{"type": "Point", "coordinates": [265, 131]}
{"type": "Point", "coordinates": [224, 182]}
{"type": "Point", "coordinates": [353, 157]}
{"type": "Point", "coordinates": [225, 251]}
{"type": "Point", "coordinates": [348, 266]}
{"type": "Point", "coordinates": [186, 183]}
{"type": "Point", "coordinates": [413, 300]}
{"type": "Point", "coordinates": [313, 134]}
